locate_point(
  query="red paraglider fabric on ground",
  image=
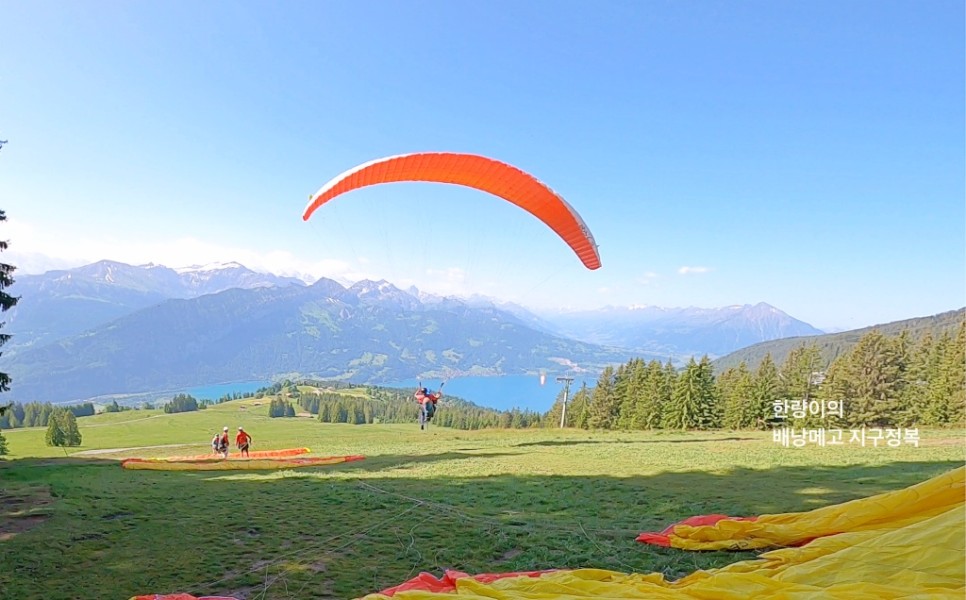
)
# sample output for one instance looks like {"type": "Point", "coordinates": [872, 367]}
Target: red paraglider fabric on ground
{"type": "Point", "coordinates": [180, 597]}
{"type": "Point", "coordinates": [425, 582]}
{"type": "Point", "coordinates": [662, 539]}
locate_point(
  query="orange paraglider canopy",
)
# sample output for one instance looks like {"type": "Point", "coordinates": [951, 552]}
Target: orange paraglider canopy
{"type": "Point", "coordinates": [478, 172]}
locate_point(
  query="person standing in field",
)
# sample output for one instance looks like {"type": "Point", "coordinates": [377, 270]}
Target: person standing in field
{"type": "Point", "coordinates": [223, 442]}
{"type": "Point", "coordinates": [242, 440]}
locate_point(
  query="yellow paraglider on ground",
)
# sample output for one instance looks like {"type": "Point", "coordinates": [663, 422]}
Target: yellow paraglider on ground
{"type": "Point", "coordinates": [905, 544]}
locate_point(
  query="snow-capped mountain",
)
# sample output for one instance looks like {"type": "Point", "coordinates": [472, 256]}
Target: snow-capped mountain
{"type": "Point", "coordinates": [65, 302]}
{"type": "Point", "coordinates": [61, 303]}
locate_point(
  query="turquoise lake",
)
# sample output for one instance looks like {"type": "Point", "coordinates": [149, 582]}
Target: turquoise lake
{"type": "Point", "coordinates": [503, 392]}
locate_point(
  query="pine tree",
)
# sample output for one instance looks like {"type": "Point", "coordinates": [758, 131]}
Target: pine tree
{"type": "Point", "coordinates": [709, 406]}
{"type": "Point", "coordinates": [956, 373]}
{"type": "Point", "coordinates": [604, 404]}
{"type": "Point", "coordinates": [6, 302]}
{"type": "Point", "coordinates": [654, 395]}
{"type": "Point", "coordinates": [874, 369]}
{"type": "Point", "coordinates": [946, 381]}
{"type": "Point", "coordinates": [579, 409]}
{"type": "Point", "coordinates": [55, 434]}
{"type": "Point", "coordinates": [915, 395]}
{"type": "Point", "coordinates": [799, 382]}
{"type": "Point", "coordinates": [766, 392]}
{"type": "Point", "coordinates": [552, 418]}
{"type": "Point", "coordinates": [669, 382]}
{"type": "Point", "coordinates": [683, 411]}
{"type": "Point", "coordinates": [633, 395]}
{"type": "Point", "coordinates": [936, 406]}
{"type": "Point", "coordinates": [32, 415]}
{"type": "Point", "coordinates": [737, 388]}
{"type": "Point", "coordinates": [3, 445]}
{"type": "Point", "coordinates": [72, 435]}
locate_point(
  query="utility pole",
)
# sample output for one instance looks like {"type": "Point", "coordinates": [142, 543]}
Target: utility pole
{"type": "Point", "coordinates": [563, 413]}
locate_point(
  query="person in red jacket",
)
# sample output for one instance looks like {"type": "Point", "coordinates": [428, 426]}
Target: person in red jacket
{"type": "Point", "coordinates": [427, 404]}
{"type": "Point", "coordinates": [242, 440]}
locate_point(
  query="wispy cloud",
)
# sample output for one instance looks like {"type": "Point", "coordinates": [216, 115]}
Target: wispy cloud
{"type": "Point", "coordinates": [33, 250]}
{"type": "Point", "coordinates": [647, 278]}
{"type": "Point", "coordinates": [449, 281]}
{"type": "Point", "coordinates": [693, 270]}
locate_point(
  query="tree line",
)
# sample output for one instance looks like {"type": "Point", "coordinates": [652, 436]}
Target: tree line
{"type": "Point", "coordinates": [881, 381]}
{"type": "Point", "coordinates": [37, 414]}
{"type": "Point", "coordinates": [388, 405]}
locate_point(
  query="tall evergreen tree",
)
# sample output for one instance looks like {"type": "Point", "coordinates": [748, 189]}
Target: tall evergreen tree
{"type": "Point", "coordinates": [956, 374]}
{"type": "Point", "coordinates": [578, 413]}
{"type": "Point", "coordinates": [709, 407]}
{"type": "Point", "coordinates": [799, 377]}
{"type": "Point", "coordinates": [6, 301]}
{"type": "Point", "coordinates": [766, 392]}
{"type": "Point", "coordinates": [552, 418]}
{"type": "Point", "coordinates": [737, 388]}
{"type": "Point", "coordinates": [655, 393]}
{"type": "Point", "coordinates": [874, 368]}
{"type": "Point", "coordinates": [837, 387]}
{"type": "Point", "coordinates": [55, 434]}
{"type": "Point", "coordinates": [628, 389]}
{"type": "Point", "coordinates": [72, 435]}
{"type": "Point", "coordinates": [604, 404]}
{"type": "Point", "coordinates": [683, 411]}
{"type": "Point", "coordinates": [946, 384]}
{"type": "Point", "coordinates": [915, 395]}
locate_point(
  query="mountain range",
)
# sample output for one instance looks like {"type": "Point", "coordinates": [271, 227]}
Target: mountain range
{"type": "Point", "coordinates": [832, 345]}
{"type": "Point", "coordinates": [680, 331]}
{"type": "Point", "coordinates": [112, 328]}
{"type": "Point", "coordinates": [61, 303]}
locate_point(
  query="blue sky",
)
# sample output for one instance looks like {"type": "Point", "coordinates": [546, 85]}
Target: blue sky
{"type": "Point", "coordinates": [808, 155]}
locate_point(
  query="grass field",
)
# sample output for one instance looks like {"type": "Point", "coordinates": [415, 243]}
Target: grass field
{"type": "Point", "coordinates": [79, 526]}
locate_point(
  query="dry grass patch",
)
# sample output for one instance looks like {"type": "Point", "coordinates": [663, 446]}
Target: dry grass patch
{"type": "Point", "coordinates": [22, 509]}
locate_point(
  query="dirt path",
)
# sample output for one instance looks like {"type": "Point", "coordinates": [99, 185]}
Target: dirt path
{"type": "Point", "coordinates": [125, 422]}
{"type": "Point", "coordinates": [113, 450]}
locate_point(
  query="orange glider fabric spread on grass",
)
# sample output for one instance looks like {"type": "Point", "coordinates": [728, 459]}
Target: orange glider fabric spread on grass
{"type": "Point", "coordinates": [221, 464]}
{"type": "Point", "coordinates": [907, 544]}
{"type": "Point", "coordinates": [180, 597]}
{"type": "Point", "coordinates": [253, 454]}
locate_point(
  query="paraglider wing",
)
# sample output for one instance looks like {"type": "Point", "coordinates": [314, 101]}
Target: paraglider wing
{"type": "Point", "coordinates": [478, 172]}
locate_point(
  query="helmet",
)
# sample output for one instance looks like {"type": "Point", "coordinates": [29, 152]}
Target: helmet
{"type": "Point", "coordinates": [225, 428]}
{"type": "Point", "coordinates": [240, 429]}
{"type": "Point", "coordinates": [425, 390]}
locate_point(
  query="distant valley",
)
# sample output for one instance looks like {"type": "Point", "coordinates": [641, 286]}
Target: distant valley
{"type": "Point", "coordinates": [112, 328]}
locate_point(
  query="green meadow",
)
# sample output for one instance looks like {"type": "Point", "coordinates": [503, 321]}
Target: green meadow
{"type": "Point", "coordinates": [75, 524]}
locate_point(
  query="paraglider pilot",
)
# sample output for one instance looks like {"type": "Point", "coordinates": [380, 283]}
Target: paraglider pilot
{"type": "Point", "coordinates": [220, 443]}
{"type": "Point", "coordinates": [427, 404]}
